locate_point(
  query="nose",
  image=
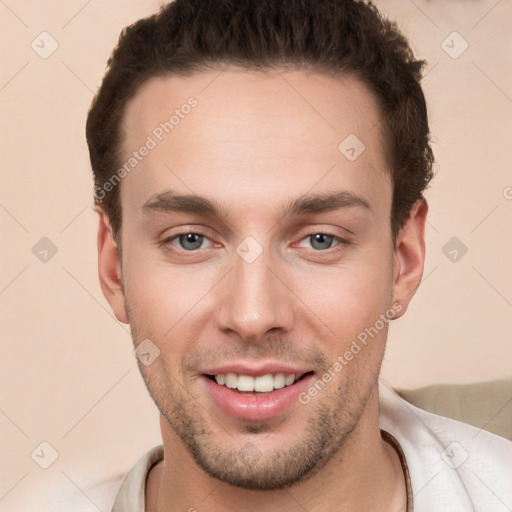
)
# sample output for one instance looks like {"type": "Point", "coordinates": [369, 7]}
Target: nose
{"type": "Point", "coordinates": [256, 298]}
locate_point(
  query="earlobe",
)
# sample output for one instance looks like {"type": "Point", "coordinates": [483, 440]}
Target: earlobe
{"type": "Point", "coordinates": [109, 269]}
{"type": "Point", "coordinates": [409, 256]}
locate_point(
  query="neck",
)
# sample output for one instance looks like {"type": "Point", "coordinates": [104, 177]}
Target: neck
{"type": "Point", "coordinates": [365, 474]}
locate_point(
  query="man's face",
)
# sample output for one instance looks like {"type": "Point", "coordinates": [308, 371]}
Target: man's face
{"type": "Point", "coordinates": [260, 288]}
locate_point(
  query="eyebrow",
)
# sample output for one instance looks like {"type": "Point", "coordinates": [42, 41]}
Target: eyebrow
{"type": "Point", "coordinates": [171, 201]}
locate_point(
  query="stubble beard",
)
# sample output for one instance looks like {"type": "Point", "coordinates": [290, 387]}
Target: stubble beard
{"type": "Point", "coordinates": [334, 416]}
{"type": "Point", "coordinates": [248, 465]}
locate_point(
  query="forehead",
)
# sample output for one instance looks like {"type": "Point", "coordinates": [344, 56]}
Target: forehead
{"type": "Point", "coordinates": [246, 133]}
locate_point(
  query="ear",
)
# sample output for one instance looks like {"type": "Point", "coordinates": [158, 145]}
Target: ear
{"type": "Point", "coordinates": [409, 256]}
{"type": "Point", "coordinates": [109, 269]}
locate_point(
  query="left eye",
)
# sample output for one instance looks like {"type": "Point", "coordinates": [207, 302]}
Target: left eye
{"type": "Point", "coordinates": [321, 241]}
{"type": "Point", "coordinates": [189, 241]}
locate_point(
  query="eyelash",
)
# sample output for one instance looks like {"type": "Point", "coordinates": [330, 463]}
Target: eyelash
{"type": "Point", "coordinates": [168, 247]}
{"type": "Point", "coordinates": [342, 242]}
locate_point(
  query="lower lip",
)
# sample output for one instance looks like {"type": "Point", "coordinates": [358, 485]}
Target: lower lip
{"type": "Point", "coordinates": [256, 406]}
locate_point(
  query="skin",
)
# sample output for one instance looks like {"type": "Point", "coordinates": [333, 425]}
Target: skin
{"type": "Point", "coordinates": [252, 144]}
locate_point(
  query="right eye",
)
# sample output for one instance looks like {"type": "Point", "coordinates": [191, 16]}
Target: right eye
{"type": "Point", "coordinates": [186, 241]}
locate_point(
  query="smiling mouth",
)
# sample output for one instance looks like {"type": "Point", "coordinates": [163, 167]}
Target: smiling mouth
{"type": "Point", "coordinates": [248, 384]}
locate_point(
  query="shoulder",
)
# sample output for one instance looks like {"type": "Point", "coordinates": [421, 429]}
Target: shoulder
{"type": "Point", "coordinates": [61, 492]}
{"type": "Point", "coordinates": [450, 462]}
{"type": "Point", "coordinates": [120, 493]}
{"type": "Point", "coordinates": [131, 496]}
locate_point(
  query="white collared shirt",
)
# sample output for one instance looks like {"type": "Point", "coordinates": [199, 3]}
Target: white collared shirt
{"type": "Point", "coordinates": [449, 466]}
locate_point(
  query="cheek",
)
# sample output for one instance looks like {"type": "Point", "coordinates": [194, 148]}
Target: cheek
{"type": "Point", "coordinates": [347, 297]}
{"type": "Point", "coordinates": [163, 299]}
{"type": "Point", "coordinates": [149, 292]}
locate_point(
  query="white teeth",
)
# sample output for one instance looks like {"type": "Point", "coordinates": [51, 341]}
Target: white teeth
{"type": "Point", "coordinates": [245, 383]}
{"type": "Point", "coordinates": [262, 384]}
{"type": "Point", "coordinates": [279, 380]}
{"type": "Point", "coordinates": [231, 380]}
{"type": "Point", "coordinates": [290, 379]}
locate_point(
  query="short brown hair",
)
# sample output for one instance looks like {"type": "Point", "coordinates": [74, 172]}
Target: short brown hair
{"type": "Point", "coordinates": [331, 36]}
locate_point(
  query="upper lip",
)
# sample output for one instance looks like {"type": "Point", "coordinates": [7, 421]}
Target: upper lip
{"type": "Point", "coordinates": [257, 369]}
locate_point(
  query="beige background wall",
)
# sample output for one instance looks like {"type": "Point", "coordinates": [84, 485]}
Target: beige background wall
{"type": "Point", "coordinates": [67, 373]}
